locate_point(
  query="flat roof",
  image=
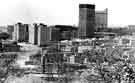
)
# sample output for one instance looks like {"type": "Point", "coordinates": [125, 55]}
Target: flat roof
{"type": "Point", "coordinates": [92, 6]}
{"type": "Point", "coordinates": [65, 27]}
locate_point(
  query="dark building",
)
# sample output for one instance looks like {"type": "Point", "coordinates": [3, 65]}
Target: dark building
{"type": "Point", "coordinates": [67, 32]}
{"type": "Point", "coordinates": [26, 27]}
{"type": "Point", "coordinates": [66, 35]}
{"type": "Point", "coordinates": [9, 46]}
{"type": "Point", "coordinates": [54, 34]}
{"type": "Point", "coordinates": [86, 20]}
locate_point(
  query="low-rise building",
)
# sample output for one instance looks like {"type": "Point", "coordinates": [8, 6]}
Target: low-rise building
{"type": "Point", "coordinates": [9, 46]}
{"type": "Point", "coordinates": [67, 32]}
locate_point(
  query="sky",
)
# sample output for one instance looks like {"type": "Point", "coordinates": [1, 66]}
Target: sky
{"type": "Point", "coordinates": [52, 12]}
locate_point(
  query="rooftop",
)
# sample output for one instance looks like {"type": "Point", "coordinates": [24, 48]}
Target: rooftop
{"type": "Point", "coordinates": [92, 6]}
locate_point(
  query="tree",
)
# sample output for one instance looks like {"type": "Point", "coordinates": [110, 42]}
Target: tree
{"type": "Point", "coordinates": [130, 72]}
{"type": "Point", "coordinates": [114, 55]}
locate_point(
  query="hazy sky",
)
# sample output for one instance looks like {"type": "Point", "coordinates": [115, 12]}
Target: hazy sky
{"type": "Point", "coordinates": [51, 12]}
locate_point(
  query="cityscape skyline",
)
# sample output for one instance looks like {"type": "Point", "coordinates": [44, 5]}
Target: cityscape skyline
{"type": "Point", "coordinates": [65, 12]}
{"type": "Point", "coordinates": [67, 41]}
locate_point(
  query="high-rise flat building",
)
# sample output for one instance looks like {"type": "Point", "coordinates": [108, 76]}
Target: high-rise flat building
{"type": "Point", "coordinates": [101, 18]}
{"type": "Point", "coordinates": [40, 34]}
{"type": "Point", "coordinates": [33, 33]}
{"type": "Point", "coordinates": [20, 32]}
{"type": "Point", "coordinates": [43, 34]}
{"type": "Point", "coordinates": [17, 34]}
{"type": "Point", "coordinates": [26, 30]}
{"type": "Point", "coordinates": [86, 20]}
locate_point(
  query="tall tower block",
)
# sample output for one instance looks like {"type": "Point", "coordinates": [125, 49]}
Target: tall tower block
{"type": "Point", "coordinates": [86, 20]}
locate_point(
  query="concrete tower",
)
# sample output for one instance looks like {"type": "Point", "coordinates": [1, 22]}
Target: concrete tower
{"type": "Point", "coordinates": [86, 20]}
